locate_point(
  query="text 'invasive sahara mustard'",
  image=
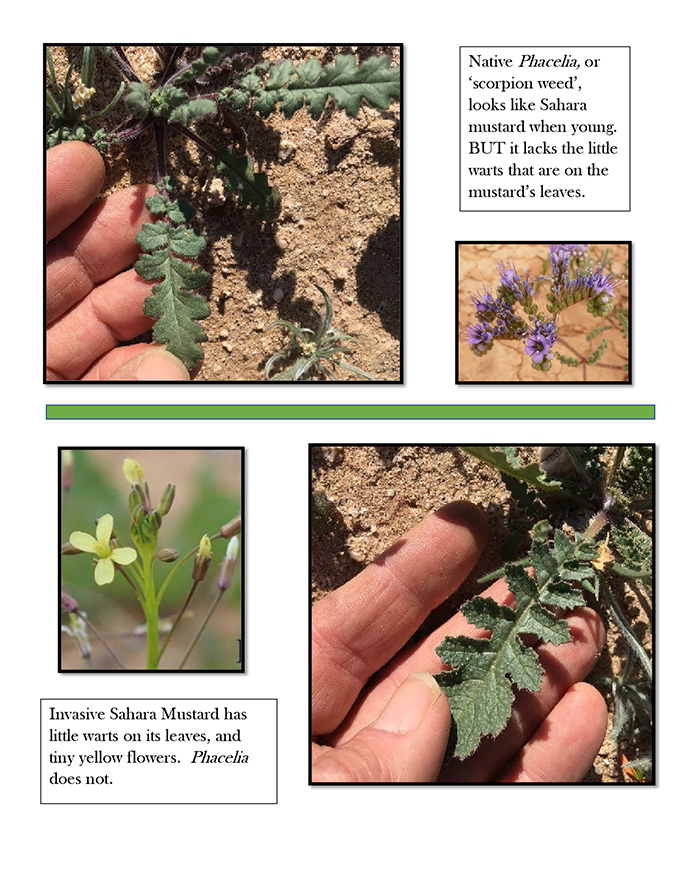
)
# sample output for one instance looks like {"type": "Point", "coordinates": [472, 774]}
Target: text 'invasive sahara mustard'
{"type": "Point", "coordinates": [138, 565]}
{"type": "Point", "coordinates": [573, 277]}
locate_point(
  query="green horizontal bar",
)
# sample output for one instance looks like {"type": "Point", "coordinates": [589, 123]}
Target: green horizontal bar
{"type": "Point", "coordinates": [351, 411]}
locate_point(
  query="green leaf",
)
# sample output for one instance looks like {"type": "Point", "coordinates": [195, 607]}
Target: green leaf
{"type": "Point", "coordinates": [483, 670]}
{"type": "Point", "coordinates": [497, 457]}
{"type": "Point", "coordinates": [311, 85]}
{"type": "Point", "coordinates": [193, 110]}
{"type": "Point", "coordinates": [634, 549]}
{"type": "Point", "coordinates": [88, 66]}
{"type": "Point", "coordinates": [138, 99]}
{"type": "Point", "coordinates": [173, 303]}
{"type": "Point", "coordinates": [210, 57]}
{"type": "Point", "coordinates": [251, 188]}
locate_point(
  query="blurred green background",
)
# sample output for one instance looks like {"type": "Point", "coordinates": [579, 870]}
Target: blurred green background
{"type": "Point", "coordinates": [208, 494]}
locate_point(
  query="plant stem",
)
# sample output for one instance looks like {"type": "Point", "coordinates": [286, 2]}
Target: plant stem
{"type": "Point", "coordinates": [151, 620]}
{"type": "Point", "coordinates": [625, 628]}
{"type": "Point", "coordinates": [207, 618]}
{"type": "Point", "coordinates": [178, 618]}
{"type": "Point", "coordinates": [137, 592]}
{"type": "Point", "coordinates": [97, 634]}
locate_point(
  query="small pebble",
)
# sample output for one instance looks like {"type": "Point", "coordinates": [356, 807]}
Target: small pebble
{"type": "Point", "coordinates": [278, 295]}
{"type": "Point", "coordinates": [224, 334]}
{"type": "Point", "coordinates": [287, 149]}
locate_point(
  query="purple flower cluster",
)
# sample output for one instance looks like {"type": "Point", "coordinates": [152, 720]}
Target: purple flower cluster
{"type": "Point", "coordinates": [540, 340]}
{"type": "Point", "coordinates": [512, 283]}
{"type": "Point", "coordinates": [573, 278]}
{"type": "Point", "coordinates": [480, 338]}
{"type": "Point", "coordinates": [597, 282]}
{"type": "Point", "coordinates": [496, 318]}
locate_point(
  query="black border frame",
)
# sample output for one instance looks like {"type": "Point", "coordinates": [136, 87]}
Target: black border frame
{"type": "Point", "coordinates": [652, 782]}
{"type": "Point", "coordinates": [459, 338]}
{"type": "Point", "coordinates": [401, 217]}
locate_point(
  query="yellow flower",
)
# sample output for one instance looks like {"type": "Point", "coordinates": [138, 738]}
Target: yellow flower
{"type": "Point", "coordinates": [133, 472]}
{"type": "Point", "coordinates": [106, 556]}
{"type": "Point", "coordinates": [604, 555]}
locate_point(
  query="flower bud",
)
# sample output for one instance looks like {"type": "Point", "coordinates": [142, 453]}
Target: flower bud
{"type": "Point", "coordinates": [202, 559]}
{"type": "Point", "coordinates": [167, 554]}
{"type": "Point", "coordinates": [167, 500]}
{"type": "Point", "coordinates": [68, 603]}
{"type": "Point", "coordinates": [133, 472]}
{"type": "Point", "coordinates": [231, 528]}
{"type": "Point", "coordinates": [227, 565]}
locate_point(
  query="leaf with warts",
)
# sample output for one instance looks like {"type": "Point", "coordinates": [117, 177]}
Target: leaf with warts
{"type": "Point", "coordinates": [169, 250]}
{"type": "Point", "coordinates": [483, 670]}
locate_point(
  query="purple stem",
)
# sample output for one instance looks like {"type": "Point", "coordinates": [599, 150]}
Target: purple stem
{"type": "Point", "coordinates": [118, 58]}
{"type": "Point", "coordinates": [172, 63]}
{"type": "Point", "coordinates": [160, 145]}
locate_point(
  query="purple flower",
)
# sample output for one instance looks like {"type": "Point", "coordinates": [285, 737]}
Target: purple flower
{"type": "Point", "coordinates": [602, 284]}
{"type": "Point", "coordinates": [512, 281]}
{"type": "Point", "coordinates": [479, 337]}
{"type": "Point", "coordinates": [537, 346]}
{"type": "Point", "coordinates": [484, 303]}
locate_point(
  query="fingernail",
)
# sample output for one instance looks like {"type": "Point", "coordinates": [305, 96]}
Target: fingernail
{"type": "Point", "coordinates": [409, 704]}
{"type": "Point", "coordinates": [161, 365]}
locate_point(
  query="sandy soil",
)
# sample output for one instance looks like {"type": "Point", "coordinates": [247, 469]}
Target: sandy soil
{"type": "Point", "coordinates": [338, 227]}
{"type": "Point", "coordinates": [506, 361]}
{"type": "Point", "coordinates": [377, 493]}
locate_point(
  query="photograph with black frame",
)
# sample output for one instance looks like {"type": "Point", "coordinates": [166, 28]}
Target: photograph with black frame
{"type": "Point", "coordinates": [543, 313]}
{"type": "Point", "coordinates": [225, 214]}
{"type": "Point", "coordinates": [151, 563]}
{"type": "Point", "coordinates": [514, 583]}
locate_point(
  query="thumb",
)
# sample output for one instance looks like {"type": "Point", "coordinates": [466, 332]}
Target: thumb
{"type": "Point", "coordinates": [405, 744]}
{"type": "Point", "coordinates": [152, 366]}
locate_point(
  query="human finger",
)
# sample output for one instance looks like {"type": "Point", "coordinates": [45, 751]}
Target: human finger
{"type": "Point", "coordinates": [420, 656]}
{"type": "Point", "coordinates": [567, 741]}
{"type": "Point", "coordinates": [359, 627]}
{"type": "Point", "coordinates": [404, 744]}
{"type": "Point", "coordinates": [563, 666]}
{"type": "Point", "coordinates": [137, 363]}
{"type": "Point", "coordinates": [96, 247]}
{"type": "Point", "coordinates": [75, 174]}
{"type": "Point", "coordinates": [154, 365]}
{"type": "Point", "coordinates": [111, 314]}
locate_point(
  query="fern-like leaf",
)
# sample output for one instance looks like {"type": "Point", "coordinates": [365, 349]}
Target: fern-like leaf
{"type": "Point", "coordinates": [309, 84]}
{"type": "Point", "coordinates": [170, 247]}
{"type": "Point", "coordinates": [479, 685]}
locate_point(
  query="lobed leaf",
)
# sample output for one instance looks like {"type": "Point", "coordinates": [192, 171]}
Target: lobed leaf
{"type": "Point", "coordinates": [310, 84]}
{"type": "Point", "coordinates": [175, 307]}
{"type": "Point", "coordinates": [483, 670]}
{"type": "Point", "coordinates": [496, 457]}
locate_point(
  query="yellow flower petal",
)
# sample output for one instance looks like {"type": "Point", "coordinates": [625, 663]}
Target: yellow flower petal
{"type": "Point", "coordinates": [104, 571]}
{"type": "Point", "coordinates": [133, 472]}
{"type": "Point", "coordinates": [82, 540]}
{"type": "Point", "coordinates": [104, 529]}
{"type": "Point", "coordinates": [123, 555]}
